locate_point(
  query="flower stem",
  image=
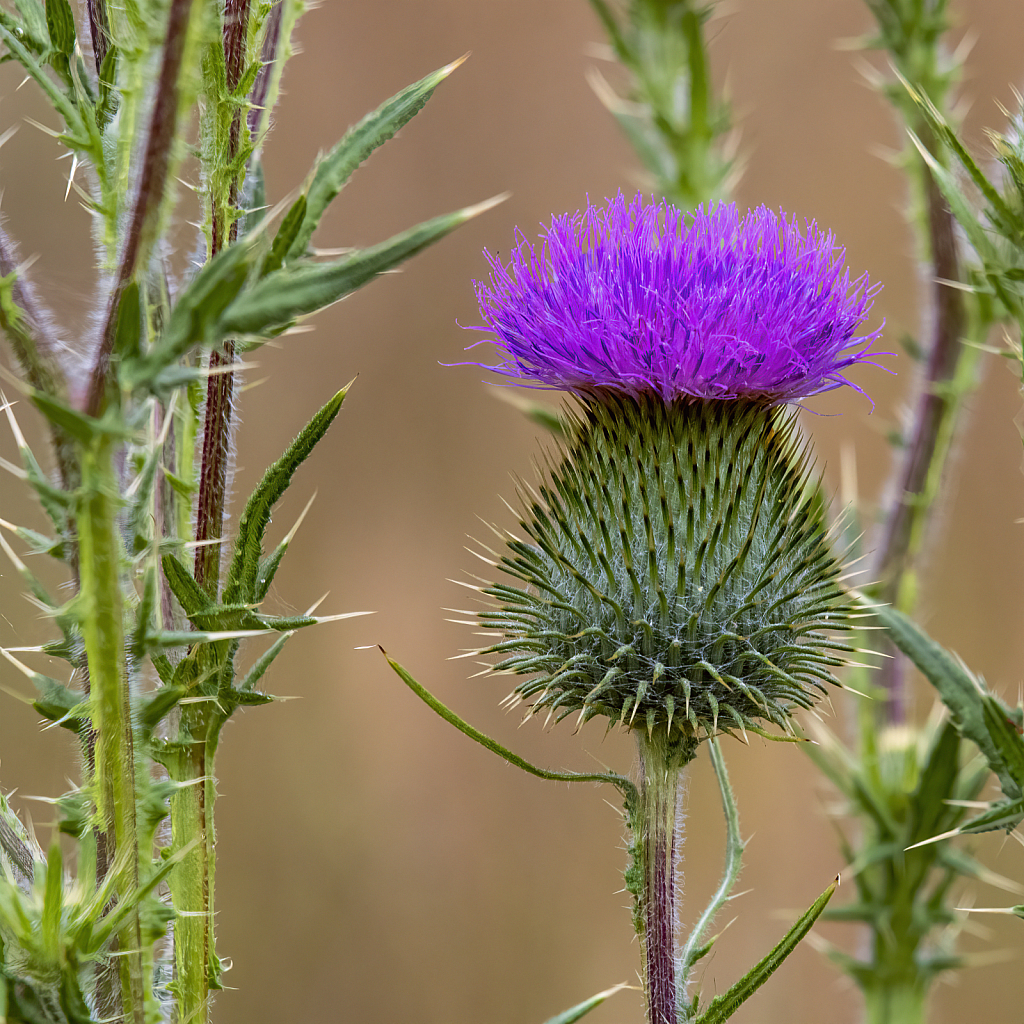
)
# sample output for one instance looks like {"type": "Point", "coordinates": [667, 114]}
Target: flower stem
{"type": "Point", "coordinates": [657, 844]}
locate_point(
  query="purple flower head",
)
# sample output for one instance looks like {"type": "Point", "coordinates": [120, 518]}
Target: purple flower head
{"type": "Point", "coordinates": [642, 298]}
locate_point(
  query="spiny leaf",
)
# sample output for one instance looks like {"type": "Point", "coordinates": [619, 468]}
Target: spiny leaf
{"type": "Point", "coordinates": [129, 322]}
{"type": "Point", "coordinates": [1006, 814]}
{"type": "Point", "coordinates": [949, 136]}
{"type": "Point", "coordinates": [153, 710]}
{"type": "Point", "coordinates": [263, 662]}
{"type": "Point", "coordinates": [60, 24]}
{"type": "Point", "coordinates": [190, 595]}
{"type": "Point", "coordinates": [84, 429]}
{"type": "Point", "coordinates": [977, 713]}
{"type": "Point", "coordinates": [242, 581]}
{"type": "Point", "coordinates": [334, 169]}
{"type": "Point", "coordinates": [59, 704]}
{"type": "Point", "coordinates": [33, 15]}
{"type": "Point", "coordinates": [299, 289]}
{"type": "Point", "coordinates": [724, 1006]}
{"type": "Point", "coordinates": [625, 787]}
{"type": "Point", "coordinates": [195, 319]}
{"type": "Point", "coordinates": [107, 105]}
{"type": "Point", "coordinates": [285, 237]}
{"type": "Point", "coordinates": [929, 808]}
{"type": "Point", "coordinates": [582, 1009]}
{"type": "Point", "coordinates": [268, 566]}
{"type": "Point", "coordinates": [79, 136]}
{"type": "Point", "coordinates": [138, 522]}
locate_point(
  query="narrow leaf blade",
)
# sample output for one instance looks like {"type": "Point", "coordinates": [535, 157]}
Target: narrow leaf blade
{"type": "Point", "coordinates": [964, 695]}
{"type": "Point", "coordinates": [724, 1006]}
{"type": "Point", "coordinates": [333, 171]}
{"type": "Point", "coordinates": [301, 289]}
{"type": "Point", "coordinates": [572, 1015]}
{"type": "Point", "coordinates": [242, 582]}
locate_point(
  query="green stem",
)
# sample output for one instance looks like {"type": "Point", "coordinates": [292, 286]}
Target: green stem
{"type": "Point", "coordinates": [190, 880]}
{"type": "Point", "coordinates": [692, 949]}
{"type": "Point", "coordinates": [192, 884]}
{"type": "Point", "coordinates": [141, 230]}
{"type": "Point", "coordinates": [103, 631]}
{"type": "Point", "coordinates": [895, 1004]}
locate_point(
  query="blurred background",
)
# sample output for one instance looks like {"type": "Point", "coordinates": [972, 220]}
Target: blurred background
{"type": "Point", "coordinates": [373, 864]}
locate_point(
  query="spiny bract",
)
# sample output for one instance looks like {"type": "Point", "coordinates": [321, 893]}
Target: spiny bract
{"type": "Point", "coordinates": [677, 575]}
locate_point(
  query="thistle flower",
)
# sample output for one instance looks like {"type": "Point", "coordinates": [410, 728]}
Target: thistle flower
{"type": "Point", "coordinates": [633, 299]}
{"type": "Point", "coordinates": [676, 574]}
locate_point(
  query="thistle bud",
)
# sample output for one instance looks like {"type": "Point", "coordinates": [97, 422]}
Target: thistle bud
{"type": "Point", "coordinates": [676, 575]}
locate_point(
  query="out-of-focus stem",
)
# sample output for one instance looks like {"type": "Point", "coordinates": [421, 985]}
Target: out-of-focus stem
{"type": "Point", "coordinates": [895, 1004]}
{"type": "Point", "coordinates": [220, 386]}
{"type": "Point", "coordinates": [99, 29]}
{"type": "Point", "coordinates": [103, 632]}
{"type": "Point", "coordinates": [920, 469]}
{"type": "Point", "coordinates": [42, 357]}
{"type": "Point", "coordinates": [149, 194]}
{"type": "Point", "coordinates": [268, 56]}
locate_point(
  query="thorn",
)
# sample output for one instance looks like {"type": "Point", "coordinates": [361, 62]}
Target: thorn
{"type": "Point", "coordinates": [43, 128]}
{"type": "Point", "coordinates": [71, 175]}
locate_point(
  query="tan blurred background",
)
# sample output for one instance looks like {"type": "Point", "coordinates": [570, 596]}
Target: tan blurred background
{"type": "Point", "coordinates": [373, 865]}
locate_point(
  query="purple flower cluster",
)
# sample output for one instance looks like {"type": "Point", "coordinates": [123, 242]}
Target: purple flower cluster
{"type": "Point", "coordinates": [642, 298]}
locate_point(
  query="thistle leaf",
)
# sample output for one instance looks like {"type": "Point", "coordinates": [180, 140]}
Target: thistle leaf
{"type": "Point", "coordinates": [724, 1006]}
{"type": "Point", "coordinates": [625, 787]}
{"type": "Point", "coordinates": [195, 319]}
{"type": "Point", "coordinates": [192, 598]}
{"type": "Point", "coordinates": [269, 565]}
{"type": "Point", "coordinates": [1006, 814]}
{"type": "Point", "coordinates": [60, 24]}
{"type": "Point", "coordinates": [33, 16]}
{"type": "Point", "coordinates": [299, 289]}
{"type": "Point", "coordinates": [978, 714]}
{"type": "Point", "coordinates": [243, 575]}
{"type": "Point", "coordinates": [262, 663]}
{"type": "Point", "coordinates": [285, 236]}
{"type": "Point", "coordinates": [572, 1015]}
{"type": "Point", "coordinates": [333, 170]}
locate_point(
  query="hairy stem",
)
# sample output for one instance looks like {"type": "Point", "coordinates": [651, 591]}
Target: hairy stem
{"type": "Point", "coordinates": [656, 843]}
{"type": "Point", "coordinates": [220, 386]}
{"type": "Point", "coordinates": [189, 881]}
{"type": "Point", "coordinates": [103, 632]}
{"type": "Point", "coordinates": [192, 809]}
{"type": "Point", "coordinates": [268, 57]}
{"type": "Point", "coordinates": [149, 195]}
{"type": "Point", "coordinates": [99, 30]}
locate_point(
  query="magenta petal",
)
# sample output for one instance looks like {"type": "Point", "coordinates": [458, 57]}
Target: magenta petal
{"type": "Point", "coordinates": [633, 298]}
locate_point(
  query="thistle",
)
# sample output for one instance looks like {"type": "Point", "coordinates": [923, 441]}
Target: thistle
{"type": "Point", "coordinates": [676, 576]}
{"type": "Point", "coordinates": [677, 569]}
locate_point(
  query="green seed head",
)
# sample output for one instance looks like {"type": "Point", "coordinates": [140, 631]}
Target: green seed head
{"type": "Point", "coordinates": [677, 574]}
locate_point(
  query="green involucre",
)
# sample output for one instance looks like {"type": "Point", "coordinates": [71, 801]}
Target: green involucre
{"type": "Point", "coordinates": [677, 573]}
